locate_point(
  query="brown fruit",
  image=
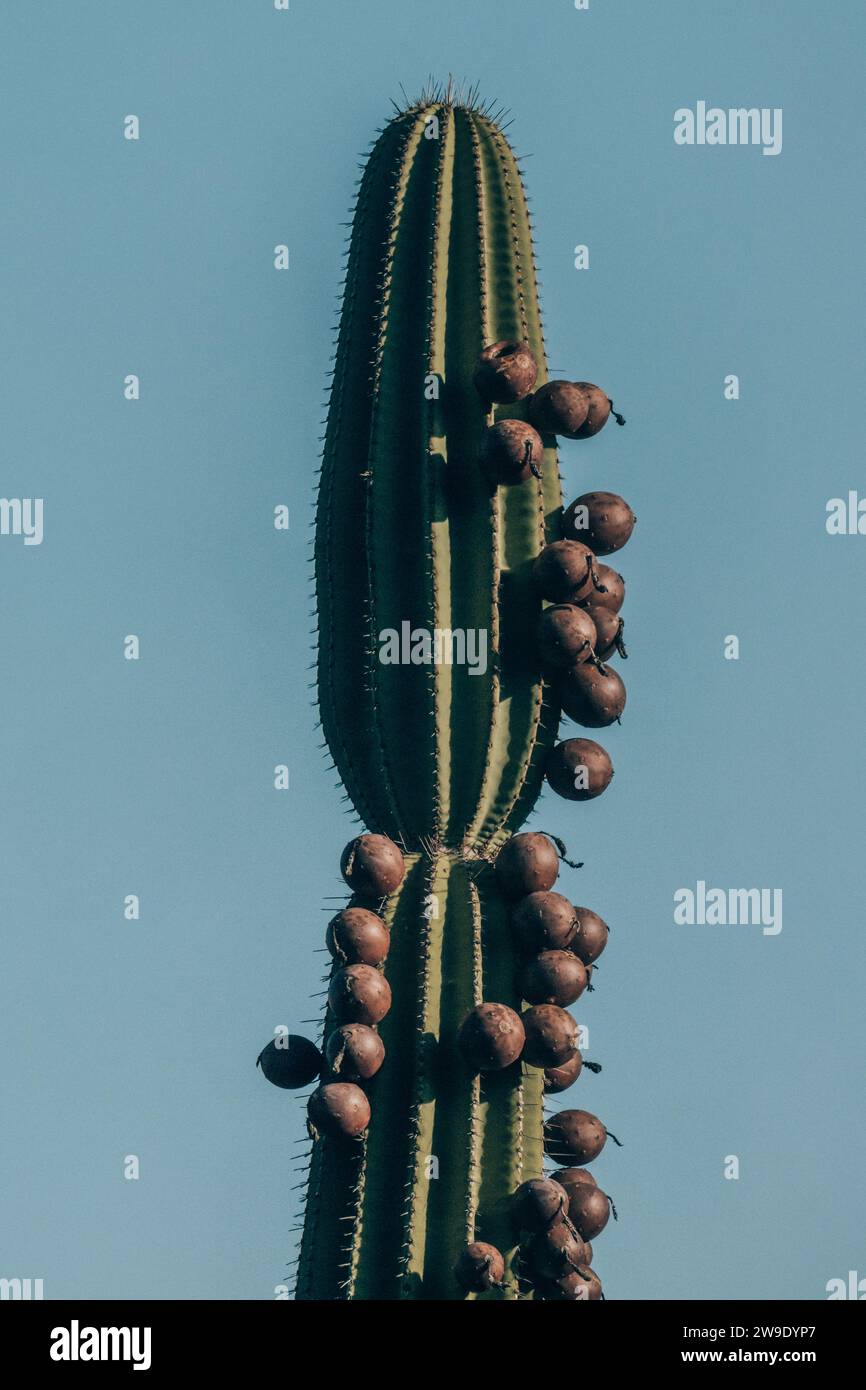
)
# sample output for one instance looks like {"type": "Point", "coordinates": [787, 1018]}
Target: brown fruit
{"type": "Point", "coordinates": [511, 451]}
{"type": "Point", "coordinates": [566, 572]}
{"type": "Point", "coordinates": [551, 1035]}
{"type": "Point", "coordinates": [544, 921]}
{"type": "Point", "coordinates": [592, 697]}
{"type": "Point", "coordinates": [577, 1286]}
{"type": "Point", "coordinates": [338, 1109]}
{"type": "Point", "coordinates": [559, 407]}
{"type": "Point", "coordinates": [573, 1177]}
{"type": "Point", "coordinates": [610, 592]}
{"type": "Point", "coordinates": [553, 977]}
{"type": "Point", "coordinates": [372, 865]}
{"type": "Point", "coordinates": [355, 1052]}
{"type": "Point", "coordinates": [527, 863]}
{"type": "Point", "coordinates": [505, 372]}
{"type": "Point", "coordinates": [290, 1061]}
{"type": "Point", "coordinates": [602, 520]}
{"type": "Point", "coordinates": [591, 935]}
{"type": "Point", "coordinates": [575, 1135]}
{"type": "Point", "coordinates": [558, 1079]}
{"type": "Point", "coordinates": [491, 1037]}
{"type": "Point", "coordinates": [566, 635]}
{"type": "Point", "coordinates": [589, 1210]}
{"type": "Point", "coordinates": [555, 1251]}
{"type": "Point", "coordinates": [599, 409]}
{"type": "Point", "coordinates": [578, 769]}
{"type": "Point", "coordinates": [359, 994]}
{"type": "Point", "coordinates": [609, 628]}
{"type": "Point", "coordinates": [538, 1204]}
{"type": "Point", "coordinates": [356, 936]}
{"type": "Point", "coordinates": [479, 1267]}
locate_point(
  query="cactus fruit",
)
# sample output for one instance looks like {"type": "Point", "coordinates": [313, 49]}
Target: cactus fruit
{"type": "Point", "coordinates": [359, 994]}
{"type": "Point", "coordinates": [354, 1051]}
{"type": "Point", "coordinates": [599, 410]}
{"type": "Point", "coordinates": [338, 1109]}
{"type": "Point", "coordinates": [539, 1204]}
{"type": "Point", "coordinates": [579, 769]}
{"type": "Point", "coordinates": [556, 1251]}
{"type": "Point", "coordinates": [480, 1267]}
{"type": "Point", "coordinates": [510, 451]}
{"type": "Point", "coordinates": [505, 372]}
{"type": "Point", "coordinates": [609, 628]}
{"type": "Point", "coordinates": [559, 407]}
{"type": "Point", "coordinates": [551, 1035]}
{"type": "Point", "coordinates": [566, 572]}
{"type": "Point", "coordinates": [356, 936]}
{"type": "Point", "coordinates": [442, 757]}
{"type": "Point", "coordinates": [566, 635]}
{"type": "Point", "coordinates": [553, 977]}
{"type": "Point", "coordinates": [602, 520]}
{"type": "Point", "coordinates": [290, 1061]}
{"type": "Point", "coordinates": [592, 695]}
{"type": "Point", "coordinates": [608, 592]}
{"type": "Point", "coordinates": [590, 935]}
{"type": "Point", "coordinates": [491, 1037]}
{"type": "Point", "coordinates": [589, 1210]}
{"type": "Point", "coordinates": [373, 866]}
{"type": "Point", "coordinates": [544, 921]}
{"type": "Point", "coordinates": [575, 1134]}
{"type": "Point", "coordinates": [558, 1079]}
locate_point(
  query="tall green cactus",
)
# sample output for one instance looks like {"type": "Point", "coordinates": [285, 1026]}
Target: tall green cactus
{"type": "Point", "coordinates": [446, 761]}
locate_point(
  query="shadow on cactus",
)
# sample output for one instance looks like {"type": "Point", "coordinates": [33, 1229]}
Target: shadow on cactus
{"type": "Point", "coordinates": [454, 961]}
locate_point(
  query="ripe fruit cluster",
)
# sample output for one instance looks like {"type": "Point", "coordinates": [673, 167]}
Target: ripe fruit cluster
{"type": "Point", "coordinates": [359, 997]}
{"type": "Point", "coordinates": [560, 944]}
{"type": "Point", "coordinates": [582, 628]}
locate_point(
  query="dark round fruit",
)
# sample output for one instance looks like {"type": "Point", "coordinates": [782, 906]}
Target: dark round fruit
{"type": "Point", "coordinates": [372, 865]}
{"type": "Point", "coordinates": [592, 697]}
{"type": "Point", "coordinates": [591, 935]}
{"type": "Point", "coordinates": [359, 994]}
{"type": "Point", "coordinates": [551, 1035]}
{"type": "Point", "coordinates": [357, 936]}
{"type": "Point", "coordinates": [479, 1267]}
{"type": "Point", "coordinates": [553, 977]}
{"type": "Point", "coordinates": [577, 1286]}
{"type": "Point", "coordinates": [578, 769]}
{"type": "Point", "coordinates": [355, 1052]}
{"type": "Point", "coordinates": [602, 520]}
{"type": "Point", "coordinates": [609, 631]}
{"type": "Point", "coordinates": [589, 1210]}
{"type": "Point", "coordinates": [290, 1061]}
{"type": "Point", "coordinates": [611, 595]}
{"type": "Point", "coordinates": [574, 1177]}
{"type": "Point", "coordinates": [491, 1037]}
{"type": "Point", "coordinates": [566, 635]}
{"type": "Point", "coordinates": [510, 452]}
{"type": "Point", "coordinates": [339, 1109]}
{"type": "Point", "coordinates": [558, 1079]}
{"type": "Point", "coordinates": [599, 408]}
{"type": "Point", "coordinates": [559, 407]}
{"type": "Point", "coordinates": [574, 1135]}
{"type": "Point", "coordinates": [563, 572]}
{"type": "Point", "coordinates": [555, 1251]}
{"type": "Point", "coordinates": [527, 863]}
{"type": "Point", "coordinates": [539, 1204]}
{"type": "Point", "coordinates": [544, 921]}
{"type": "Point", "coordinates": [505, 372]}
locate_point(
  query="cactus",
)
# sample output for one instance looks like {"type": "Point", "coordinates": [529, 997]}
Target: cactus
{"type": "Point", "coordinates": [446, 758]}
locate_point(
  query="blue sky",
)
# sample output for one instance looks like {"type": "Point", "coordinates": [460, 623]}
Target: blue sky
{"type": "Point", "coordinates": [154, 777]}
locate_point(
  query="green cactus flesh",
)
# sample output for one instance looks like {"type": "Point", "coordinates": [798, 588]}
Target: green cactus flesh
{"type": "Point", "coordinates": [446, 761]}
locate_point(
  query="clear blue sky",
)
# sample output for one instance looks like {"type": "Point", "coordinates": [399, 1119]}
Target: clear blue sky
{"type": "Point", "coordinates": [155, 777]}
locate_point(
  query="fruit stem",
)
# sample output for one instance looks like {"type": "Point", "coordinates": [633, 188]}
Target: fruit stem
{"type": "Point", "coordinates": [618, 641]}
{"type": "Point", "coordinates": [620, 419]}
{"type": "Point", "coordinates": [562, 851]}
{"type": "Point", "coordinates": [593, 1066]}
{"type": "Point", "coordinates": [614, 1138]}
{"type": "Point", "coordinates": [527, 459]}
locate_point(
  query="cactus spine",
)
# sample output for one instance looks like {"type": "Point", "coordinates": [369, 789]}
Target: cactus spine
{"type": "Point", "coordinates": [445, 761]}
